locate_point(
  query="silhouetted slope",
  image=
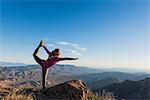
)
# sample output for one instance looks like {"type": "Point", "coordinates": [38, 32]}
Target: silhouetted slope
{"type": "Point", "coordinates": [103, 82]}
{"type": "Point", "coordinates": [130, 90]}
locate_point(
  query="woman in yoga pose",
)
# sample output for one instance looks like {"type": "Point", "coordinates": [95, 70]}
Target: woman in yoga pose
{"type": "Point", "coordinates": [53, 58]}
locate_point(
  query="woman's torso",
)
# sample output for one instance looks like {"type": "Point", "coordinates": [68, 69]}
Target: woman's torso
{"type": "Point", "coordinates": [50, 62]}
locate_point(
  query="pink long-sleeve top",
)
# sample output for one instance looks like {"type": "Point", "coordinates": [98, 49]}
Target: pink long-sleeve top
{"type": "Point", "coordinates": [52, 61]}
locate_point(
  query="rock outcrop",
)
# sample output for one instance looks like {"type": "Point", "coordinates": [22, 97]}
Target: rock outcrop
{"type": "Point", "coordinates": [70, 90]}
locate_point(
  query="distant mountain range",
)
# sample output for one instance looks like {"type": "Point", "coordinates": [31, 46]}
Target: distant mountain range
{"type": "Point", "coordinates": [130, 90]}
{"type": "Point", "coordinates": [54, 70]}
{"type": "Point", "coordinates": [120, 76]}
{"type": "Point", "coordinates": [57, 73]}
{"type": "Point", "coordinates": [10, 64]}
{"type": "Point", "coordinates": [60, 73]}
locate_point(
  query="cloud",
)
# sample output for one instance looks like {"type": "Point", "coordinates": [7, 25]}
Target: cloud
{"type": "Point", "coordinates": [82, 49]}
{"type": "Point", "coordinates": [76, 46]}
{"type": "Point", "coordinates": [74, 52]}
{"type": "Point", "coordinates": [63, 43]}
{"type": "Point", "coordinates": [67, 47]}
{"type": "Point", "coordinates": [50, 45]}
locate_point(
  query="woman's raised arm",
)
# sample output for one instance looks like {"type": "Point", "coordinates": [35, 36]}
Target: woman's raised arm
{"type": "Point", "coordinates": [46, 49]}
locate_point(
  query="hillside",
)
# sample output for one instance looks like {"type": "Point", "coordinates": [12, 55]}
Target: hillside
{"type": "Point", "coordinates": [130, 90]}
{"type": "Point", "coordinates": [103, 82]}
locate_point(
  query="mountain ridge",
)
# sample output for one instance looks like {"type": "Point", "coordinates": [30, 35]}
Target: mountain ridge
{"type": "Point", "coordinates": [130, 90]}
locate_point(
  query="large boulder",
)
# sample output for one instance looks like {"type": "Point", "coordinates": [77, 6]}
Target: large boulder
{"type": "Point", "coordinates": [70, 90]}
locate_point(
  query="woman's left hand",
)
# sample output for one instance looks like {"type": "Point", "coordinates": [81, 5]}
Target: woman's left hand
{"type": "Point", "coordinates": [75, 58]}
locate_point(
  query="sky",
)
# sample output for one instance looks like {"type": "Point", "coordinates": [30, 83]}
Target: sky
{"type": "Point", "coordinates": [102, 34]}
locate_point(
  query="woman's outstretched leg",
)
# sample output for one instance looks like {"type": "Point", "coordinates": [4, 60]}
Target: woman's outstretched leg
{"type": "Point", "coordinates": [35, 54]}
{"type": "Point", "coordinates": [44, 77]}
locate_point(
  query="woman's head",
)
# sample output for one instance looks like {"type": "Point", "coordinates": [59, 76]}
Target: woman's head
{"type": "Point", "coordinates": [56, 52]}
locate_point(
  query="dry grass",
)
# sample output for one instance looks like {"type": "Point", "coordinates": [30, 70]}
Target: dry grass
{"type": "Point", "coordinates": [103, 95]}
{"type": "Point", "coordinates": [22, 92]}
{"type": "Point", "coordinates": [18, 97]}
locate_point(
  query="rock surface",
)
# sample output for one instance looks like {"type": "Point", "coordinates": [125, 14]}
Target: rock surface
{"type": "Point", "coordinates": [70, 90]}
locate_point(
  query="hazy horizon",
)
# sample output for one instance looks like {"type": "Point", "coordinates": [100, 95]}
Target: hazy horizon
{"type": "Point", "coordinates": [100, 33]}
{"type": "Point", "coordinates": [104, 68]}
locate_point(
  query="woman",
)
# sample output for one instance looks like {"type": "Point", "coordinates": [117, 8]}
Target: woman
{"type": "Point", "coordinates": [53, 58]}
